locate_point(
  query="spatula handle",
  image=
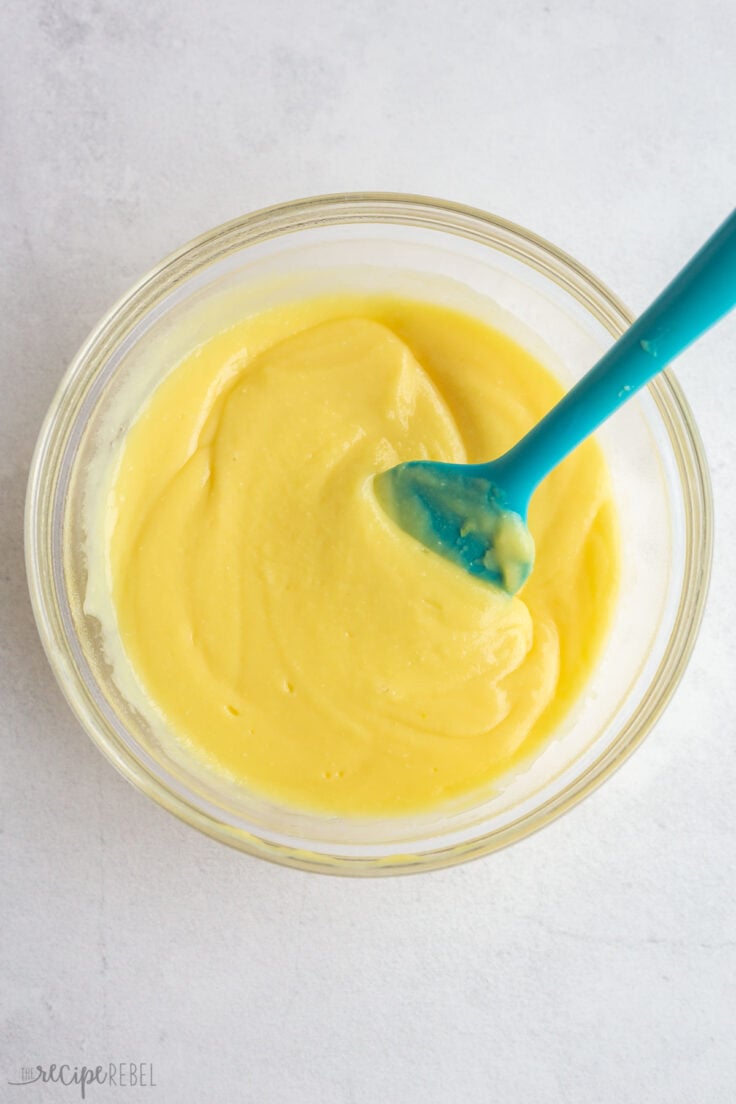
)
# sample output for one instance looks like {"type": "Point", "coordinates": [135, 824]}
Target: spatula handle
{"type": "Point", "coordinates": [702, 293]}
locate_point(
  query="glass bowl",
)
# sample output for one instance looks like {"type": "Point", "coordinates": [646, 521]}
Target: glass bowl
{"type": "Point", "coordinates": [432, 249]}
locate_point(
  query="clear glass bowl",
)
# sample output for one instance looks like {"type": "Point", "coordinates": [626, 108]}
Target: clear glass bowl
{"type": "Point", "coordinates": [433, 249]}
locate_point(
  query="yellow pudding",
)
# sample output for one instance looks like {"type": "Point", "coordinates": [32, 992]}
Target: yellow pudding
{"type": "Point", "coordinates": [285, 628]}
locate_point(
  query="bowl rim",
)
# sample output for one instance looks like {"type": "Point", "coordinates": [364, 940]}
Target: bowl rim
{"type": "Point", "coordinates": [344, 209]}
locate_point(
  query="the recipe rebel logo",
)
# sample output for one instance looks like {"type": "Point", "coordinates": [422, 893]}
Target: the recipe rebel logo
{"type": "Point", "coordinates": [121, 1075]}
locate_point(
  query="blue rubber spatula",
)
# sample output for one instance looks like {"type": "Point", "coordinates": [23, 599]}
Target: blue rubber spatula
{"type": "Point", "coordinates": [475, 514]}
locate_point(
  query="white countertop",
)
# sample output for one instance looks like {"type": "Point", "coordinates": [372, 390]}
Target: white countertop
{"type": "Point", "coordinates": [593, 963]}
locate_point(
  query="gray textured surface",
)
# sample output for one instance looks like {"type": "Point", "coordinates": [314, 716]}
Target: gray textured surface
{"type": "Point", "coordinates": [592, 963]}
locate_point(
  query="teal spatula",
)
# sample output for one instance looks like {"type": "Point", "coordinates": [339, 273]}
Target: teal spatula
{"type": "Point", "coordinates": [475, 514]}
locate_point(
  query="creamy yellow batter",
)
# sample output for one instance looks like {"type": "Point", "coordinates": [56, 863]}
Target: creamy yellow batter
{"type": "Point", "coordinates": [284, 626]}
